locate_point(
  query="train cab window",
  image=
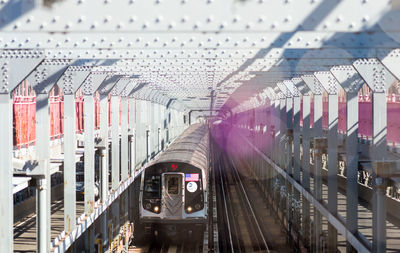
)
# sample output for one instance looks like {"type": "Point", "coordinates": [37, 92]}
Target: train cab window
{"type": "Point", "coordinates": [152, 186]}
{"type": "Point", "coordinates": [80, 177]}
{"type": "Point", "coordinates": [173, 185]}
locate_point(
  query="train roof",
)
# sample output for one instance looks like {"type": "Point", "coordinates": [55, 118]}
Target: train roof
{"type": "Point", "coordinates": [190, 147]}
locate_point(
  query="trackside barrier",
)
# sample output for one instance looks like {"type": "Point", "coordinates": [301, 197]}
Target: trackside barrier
{"type": "Point", "coordinates": [63, 241]}
{"type": "Point", "coordinates": [360, 244]}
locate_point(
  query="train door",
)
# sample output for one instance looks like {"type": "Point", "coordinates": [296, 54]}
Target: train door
{"type": "Point", "coordinates": [173, 194]}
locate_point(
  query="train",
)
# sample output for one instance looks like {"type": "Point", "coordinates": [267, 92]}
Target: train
{"type": "Point", "coordinates": [174, 187]}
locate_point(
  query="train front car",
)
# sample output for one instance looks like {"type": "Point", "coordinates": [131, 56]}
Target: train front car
{"type": "Point", "coordinates": [173, 192]}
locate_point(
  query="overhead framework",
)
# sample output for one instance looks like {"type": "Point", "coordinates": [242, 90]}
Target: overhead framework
{"type": "Point", "coordinates": [176, 53]}
{"type": "Point", "coordinates": [185, 48]}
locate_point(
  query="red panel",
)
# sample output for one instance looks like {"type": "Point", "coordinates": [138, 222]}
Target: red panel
{"type": "Point", "coordinates": [342, 117]}
{"type": "Point", "coordinates": [365, 119]}
{"type": "Point", "coordinates": [393, 120]}
{"type": "Point", "coordinates": [325, 113]}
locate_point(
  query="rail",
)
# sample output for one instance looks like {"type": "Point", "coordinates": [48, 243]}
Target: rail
{"type": "Point", "coordinates": [233, 191]}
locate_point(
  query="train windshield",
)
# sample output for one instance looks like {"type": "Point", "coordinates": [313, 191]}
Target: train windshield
{"type": "Point", "coordinates": [152, 186]}
{"type": "Point", "coordinates": [173, 185]}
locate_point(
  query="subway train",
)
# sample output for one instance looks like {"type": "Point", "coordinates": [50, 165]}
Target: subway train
{"type": "Point", "coordinates": [173, 188]}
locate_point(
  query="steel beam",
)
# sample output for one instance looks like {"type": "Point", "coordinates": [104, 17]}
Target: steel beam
{"type": "Point", "coordinates": [129, 17]}
{"type": "Point", "coordinates": [390, 59]}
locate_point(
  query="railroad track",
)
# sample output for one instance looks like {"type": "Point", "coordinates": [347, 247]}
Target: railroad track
{"type": "Point", "coordinates": [165, 245]}
{"type": "Point", "coordinates": [238, 222]}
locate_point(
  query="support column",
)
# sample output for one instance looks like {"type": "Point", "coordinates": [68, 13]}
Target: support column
{"type": "Point", "coordinates": [282, 106]}
{"type": "Point", "coordinates": [379, 152]}
{"type": "Point", "coordinates": [43, 190]}
{"type": "Point", "coordinates": [69, 164]}
{"type": "Point", "coordinates": [317, 168]}
{"type": "Point", "coordinates": [291, 93]}
{"type": "Point", "coordinates": [104, 136]}
{"type": "Point", "coordinates": [316, 88]}
{"type": "Point", "coordinates": [296, 151]}
{"type": "Point", "coordinates": [139, 132]}
{"type": "Point", "coordinates": [115, 142]}
{"type": "Point", "coordinates": [89, 154]}
{"type": "Point", "coordinates": [89, 169]}
{"type": "Point", "coordinates": [276, 130]}
{"type": "Point", "coordinates": [6, 168]}
{"type": "Point", "coordinates": [115, 162]}
{"type": "Point", "coordinates": [281, 152]}
{"type": "Point", "coordinates": [125, 142]}
{"type": "Point", "coordinates": [104, 90]}
{"type": "Point", "coordinates": [331, 86]}
{"type": "Point", "coordinates": [42, 80]}
{"type": "Point", "coordinates": [124, 139]}
{"type": "Point", "coordinates": [306, 168]}
{"type": "Point", "coordinates": [305, 221]}
{"type": "Point", "coordinates": [132, 157]}
{"type": "Point", "coordinates": [351, 82]}
{"type": "Point", "coordinates": [352, 163]}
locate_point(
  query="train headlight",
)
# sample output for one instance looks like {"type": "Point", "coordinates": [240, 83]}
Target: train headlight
{"type": "Point", "coordinates": [156, 209]}
{"type": "Point", "coordinates": [148, 206]}
{"type": "Point", "coordinates": [189, 209]}
{"type": "Point", "coordinates": [197, 206]}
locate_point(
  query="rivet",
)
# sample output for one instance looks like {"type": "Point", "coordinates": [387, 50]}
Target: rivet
{"type": "Point", "coordinates": [107, 19]}
{"type": "Point", "coordinates": [132, 19]}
